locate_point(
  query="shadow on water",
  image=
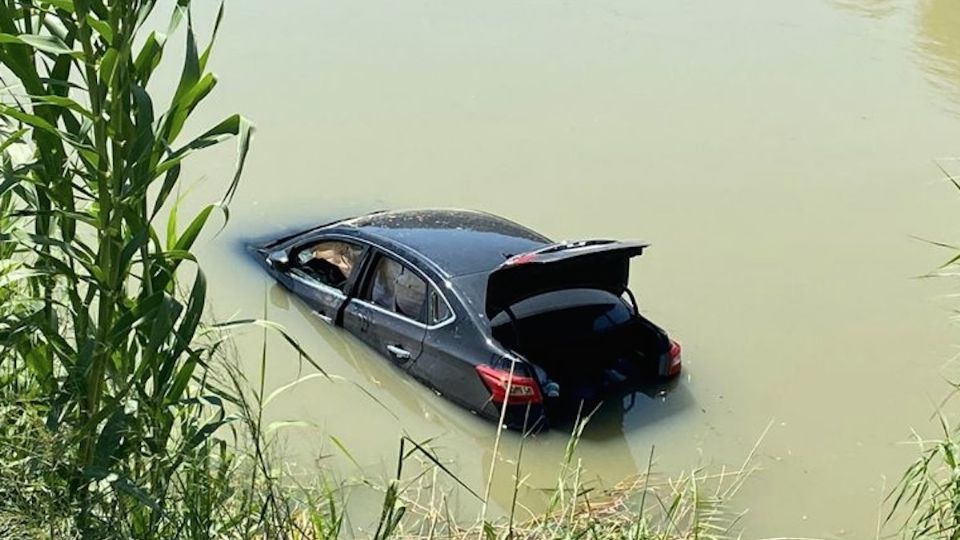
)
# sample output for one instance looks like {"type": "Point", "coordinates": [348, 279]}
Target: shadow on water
{"type": "Point", "coordinates": [632, 409]}
{"type": "Point", "coordinates": [611, 447]}
{"type": "Point", "coordinates": [378, 373]}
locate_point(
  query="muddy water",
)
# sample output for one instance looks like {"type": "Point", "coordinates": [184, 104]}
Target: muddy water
{"type": "Point", "coordinates": [778, 155]}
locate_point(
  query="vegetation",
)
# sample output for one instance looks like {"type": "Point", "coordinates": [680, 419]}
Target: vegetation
{"type": "Point", "coordinates": [692, 506]}
{"type": "Point", "coordinates": [120, 413]}
{"type": "Point", "coordinates": [928, 495]}
{"type": "Point", "coordinates": [926, 500]}
{"type": "Point", "coordinates": [107, 405]}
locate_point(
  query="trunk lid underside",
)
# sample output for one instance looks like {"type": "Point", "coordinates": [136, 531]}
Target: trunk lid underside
{"type": "Point", "coordinates": [591, 264]}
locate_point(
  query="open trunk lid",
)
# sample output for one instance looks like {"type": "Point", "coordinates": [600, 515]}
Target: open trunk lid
{"type": "Point", "coordinates": [588, 264]}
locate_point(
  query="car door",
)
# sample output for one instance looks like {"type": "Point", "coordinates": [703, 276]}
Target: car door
{"type": "Point", "coordinates": [441, 361]}
{"type": "Point", "coordinates": [389, 309]}
{"type": "Point", "coordinates": [322, 272]}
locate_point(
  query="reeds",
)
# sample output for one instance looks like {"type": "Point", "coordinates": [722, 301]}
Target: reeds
{"type": "Point", "coordinates": [926, 500]}
{"type": "Point", "coordinates": [104, 351]}
{"type": "Point", "coordinates": [691, 505]}
{"type": "Point", "coordinates": [925, 503]}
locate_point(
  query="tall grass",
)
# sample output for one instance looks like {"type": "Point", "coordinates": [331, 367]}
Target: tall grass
{"type": "Point", "coordinates": [692, 505]}
{"type": "Point", "coordinates": [925, 503]}
{"type": "Point", "coordinates": [927, 497]}
{"type": "Point", "coordinates": [107, 412]}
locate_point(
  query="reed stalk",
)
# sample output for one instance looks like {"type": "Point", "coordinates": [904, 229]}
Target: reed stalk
{"type": "Point", "coordinates": [107, 345]}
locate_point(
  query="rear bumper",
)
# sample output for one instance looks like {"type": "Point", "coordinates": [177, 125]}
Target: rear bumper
{"type": "Point", "coordinates": [664, 369]}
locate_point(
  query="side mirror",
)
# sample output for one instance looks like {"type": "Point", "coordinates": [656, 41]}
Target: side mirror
{"type": "Point", "coordinates": [278, 260]}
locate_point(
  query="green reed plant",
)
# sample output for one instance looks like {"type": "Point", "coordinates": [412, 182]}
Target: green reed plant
{"type": "Point", "coordinates": [113, 411]}
{"type": "Point", "coordinates": [692, 505]}
{"type": "Point", "coordinates": [925, 503]}
{"type": "Point", "coordinates": [926, 500]}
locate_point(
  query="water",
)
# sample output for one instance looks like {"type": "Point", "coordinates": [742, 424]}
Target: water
{"type": "Point", "coordinates": [778, 155]}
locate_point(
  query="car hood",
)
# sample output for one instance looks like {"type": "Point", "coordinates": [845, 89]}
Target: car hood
{"type": "Point", "coordinates": [588, 264]}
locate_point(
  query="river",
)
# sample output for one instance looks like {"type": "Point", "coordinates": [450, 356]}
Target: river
{"type": "Point", "coordinates": [779, 156]}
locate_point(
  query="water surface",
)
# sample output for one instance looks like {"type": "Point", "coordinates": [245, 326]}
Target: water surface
{"type": "Point", "coordinates": [778, 155]}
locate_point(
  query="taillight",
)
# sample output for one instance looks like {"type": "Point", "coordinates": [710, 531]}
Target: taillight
{"type": "Point", "coordinates": [675, 361]}
{"type": "Point", "coordinates": [522, 389]}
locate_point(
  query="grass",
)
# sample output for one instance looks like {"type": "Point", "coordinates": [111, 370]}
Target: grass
{"type": "Point", "coordinates": [926, 500]}
{"type": "Point", "coordinates": [925, 503]}
{"type": "Point", "coordinates": [108, 412]}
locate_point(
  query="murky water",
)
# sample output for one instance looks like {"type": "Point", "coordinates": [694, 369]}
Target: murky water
{"type": "Point", "coordinates": [778, 155]}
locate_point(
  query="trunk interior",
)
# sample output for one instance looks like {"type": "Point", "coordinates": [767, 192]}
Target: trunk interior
{"type": "Point", "coordinates": [583, 341]}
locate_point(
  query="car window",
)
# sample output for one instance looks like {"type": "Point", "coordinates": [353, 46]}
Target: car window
{"type": "Point", "coordinates": [439, 310]}
{"type": "Point", "coordinates": [330, 262]}
{"type": "Point", "coordinates": [396, 288]}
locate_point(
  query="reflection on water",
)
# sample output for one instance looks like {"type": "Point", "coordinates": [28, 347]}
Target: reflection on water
{"type": "Point", "coordinates": [937, 39]}
{"type": "Point", "coordinates": [874, 9]}
{"type": "Point", "coordinates": [938, 42]}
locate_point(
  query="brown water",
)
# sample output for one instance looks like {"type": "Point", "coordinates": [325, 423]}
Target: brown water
{"type": "Point", "coordinates": [778, 155]}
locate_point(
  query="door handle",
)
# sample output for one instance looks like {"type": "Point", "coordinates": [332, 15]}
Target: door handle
{"type": "Point", "coordinates": [364, 321]}
{"type": "Point", "coordinates": [398, 352]}
{"type": "Point", "coordinates": [325, 318]}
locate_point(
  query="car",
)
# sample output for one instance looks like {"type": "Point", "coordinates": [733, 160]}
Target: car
{"type": "Point", "coordinates": [488, 313]}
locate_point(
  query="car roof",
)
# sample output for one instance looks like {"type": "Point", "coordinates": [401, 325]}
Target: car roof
{"type": "Point", "coordinates": [458, 242]}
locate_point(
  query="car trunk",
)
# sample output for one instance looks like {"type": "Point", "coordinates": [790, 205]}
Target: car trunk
{"type": "Point", "coordinates": [562, 308]}
{"type": "Point", "coordinates": [584, 342]}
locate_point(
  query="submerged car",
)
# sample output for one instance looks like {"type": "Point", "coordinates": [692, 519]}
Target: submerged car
{"type": "Point", "coordinates": [463, 299]}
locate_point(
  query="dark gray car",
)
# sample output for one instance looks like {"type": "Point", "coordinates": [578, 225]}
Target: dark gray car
{"type": "Point", "coordinates": [460, 298]}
